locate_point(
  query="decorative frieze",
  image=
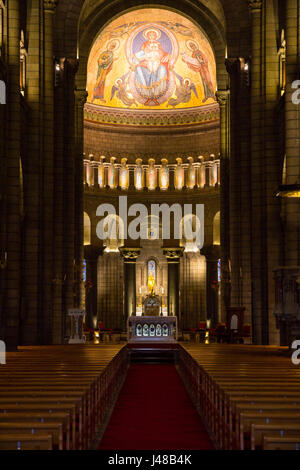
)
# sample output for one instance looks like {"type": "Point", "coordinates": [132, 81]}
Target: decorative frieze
{"type": "Point", "coordinates": [130, 255]}
{"type": "Point", "coordinates": [173, 255]}
{"type": "Point", "coordinates": [161, 118]}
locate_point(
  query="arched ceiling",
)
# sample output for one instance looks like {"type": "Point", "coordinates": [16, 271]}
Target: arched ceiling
{"type": "Point", "coordinates": [215, 6]}
{"type": "Point", "coordinates": [230, 16]}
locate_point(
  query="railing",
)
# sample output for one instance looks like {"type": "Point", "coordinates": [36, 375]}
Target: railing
{"type": "Point", "coordinates": [147, 329]}
{"type": "Point", "coordinates": [112, 175]}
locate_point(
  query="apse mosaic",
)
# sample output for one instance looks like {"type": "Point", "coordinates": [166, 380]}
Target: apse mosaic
{"type": "Point", "coordinates": [151, 59]}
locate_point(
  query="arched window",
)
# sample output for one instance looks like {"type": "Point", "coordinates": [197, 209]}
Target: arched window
{"type": "Point", "coordinates": [191, 233]}
{"type": "Point", "coordinates": [284, 171]}
{"type": "Point", "coordinates": [219, 270]}
{"type": "Point", "coordinates": [151, 275]}
{"type": "Point", "coordinates": [87, 229]}
{"type": "Point", "coordinates": [84, 270]}
{"type": "Point", "coordinates": [114, 228]}
{"type": "Point", "coordinates": [216, 229]}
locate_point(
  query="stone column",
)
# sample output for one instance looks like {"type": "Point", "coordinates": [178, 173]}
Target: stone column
{"type": "Point", "coordinates": [172, 177]}
{"type": "Point", "coordinates": [80, 100]}
{"type": "Point", "coordinates": [13, 180]}
{"type": "Point", "coordinates": [223, 100]}
{"type": "Point", "coordinates": [48, 175]}
{"type": "Point", "coordinates": [212, 255]}
{"type": "Point", "coordinates": [131, 186]}
{"type": "Point", "coordinates": [95, 174]}
{"type": "Point", "coordinates": [91, 255]}
{"type": "Point", "coordinates": [173, 256]}
{"type": "Point", "coordinates": [287, 305]}
{"type": "Point", "coordinates": [257, 184]}
{"type": "Point", "coordinates": [69, 297]}
{"type": "Point", "coordinates": [58, 268]}
{"type": "Point", "coordinates": [130, 256]}
{"type": "Point", "coordinates": [292, 134]}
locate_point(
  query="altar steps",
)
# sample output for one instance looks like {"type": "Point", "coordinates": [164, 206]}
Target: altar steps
{"type": "Point", "coordinates": [152, 356]}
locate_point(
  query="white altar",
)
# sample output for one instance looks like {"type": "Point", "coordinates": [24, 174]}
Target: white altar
{"type": "Point", "coordinates": [149, 329]}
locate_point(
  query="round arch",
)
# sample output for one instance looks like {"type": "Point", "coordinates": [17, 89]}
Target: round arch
{"type": "Point", "coordinates": [231, 17]}
{"type": "Point", "coordinates": [216, 229]}
{"type": "Point", "coordinates": [91, 25]}
{"type": "Point", "coordinates": [86, 229]}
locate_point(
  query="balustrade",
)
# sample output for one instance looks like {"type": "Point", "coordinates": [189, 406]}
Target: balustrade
{"type": "Point", "coordinates": [150, 176]}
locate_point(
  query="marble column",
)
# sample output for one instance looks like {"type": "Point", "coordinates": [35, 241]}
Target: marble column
{"type": "Point", "coordinates": [173, 256]}
{"type": "Point", "coordinates": [212, 255]}
{"type": "Point", "coordinates": [91, 255]}
{"type": "Point", "coordinates": [130, 256]}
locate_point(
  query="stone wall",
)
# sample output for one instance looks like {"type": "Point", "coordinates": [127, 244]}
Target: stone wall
{"type": "Point", "coordinates": [122, 141]}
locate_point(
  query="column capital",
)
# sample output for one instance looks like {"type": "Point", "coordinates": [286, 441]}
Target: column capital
{"type": "Point", "coordinates": [233, 65]}
{"type": "Point", "coordinates": [211, 252]}
{"type": "Point", "coordinates": [222, 97]}
{"type": "Point", "coordinates": [81, 97]}
{"type": "Point", "coordinates": [129, 254]}
{"type": "Point", "coordinates": [255, 6]}
{"type": "Point", "coordinates": [72, 63]}
{"type": "Point", "coordinates": [50, 6]}
{"type": "Point", "coordinates": [173, 255]}
{"type": "Point", "coordinates": [92, 252]}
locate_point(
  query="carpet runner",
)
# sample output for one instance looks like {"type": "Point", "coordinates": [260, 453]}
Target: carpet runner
{"type": "Point", "coordinates": [154, 411]}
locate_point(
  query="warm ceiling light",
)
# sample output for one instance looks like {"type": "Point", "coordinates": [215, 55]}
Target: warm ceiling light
{"type": "Point", "coordinates": [289, 190]}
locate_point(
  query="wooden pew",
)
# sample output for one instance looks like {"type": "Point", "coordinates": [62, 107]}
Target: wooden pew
{"type": "Point", "coordinates": [37, 418]}
{"type": "Point", "coordinates": [77, 382]}
{"type": "Point", "coordinates": [281, 443]}
{"type": "Point", "coordinates": [229, 382]}
{"type": "Point", "coordinates": [55, 429]}
{"type": "Point", "coordinates": [26, 442]}
{"type": "Point", "coordinates": [259, 431]}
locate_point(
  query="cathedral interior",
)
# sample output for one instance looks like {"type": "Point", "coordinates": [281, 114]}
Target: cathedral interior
{"type": "Point", "coordinates": [150, 220]}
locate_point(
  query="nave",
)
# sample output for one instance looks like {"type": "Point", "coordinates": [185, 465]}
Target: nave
{"type": "Point", "coordinates": [90, 397]}
{"type": "Point", "coordinates": [154, 411]}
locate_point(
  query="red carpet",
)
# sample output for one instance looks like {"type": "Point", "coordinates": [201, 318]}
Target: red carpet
{"type": "Point", "coordinates": [154, 411]}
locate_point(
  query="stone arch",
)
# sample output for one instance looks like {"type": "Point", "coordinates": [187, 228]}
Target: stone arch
{"type": "Point", "coordinates": [115, 230]}
{"type": "Point", "coordinates": [188, 223]}
{"type": "Point", "coordinates": [216, 229]}
{"type": "Point", "coordinates": [229, 16]}
{"type": "Point", "coordinates": [86, 228]}
{"type": "Point", "coordinates": [90, 27]}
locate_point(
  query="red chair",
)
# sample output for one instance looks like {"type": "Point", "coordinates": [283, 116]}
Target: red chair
{"type": "Point", "coordinates": [219, 332]}
{"type": "Point", "coordinates": [246, 332]}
